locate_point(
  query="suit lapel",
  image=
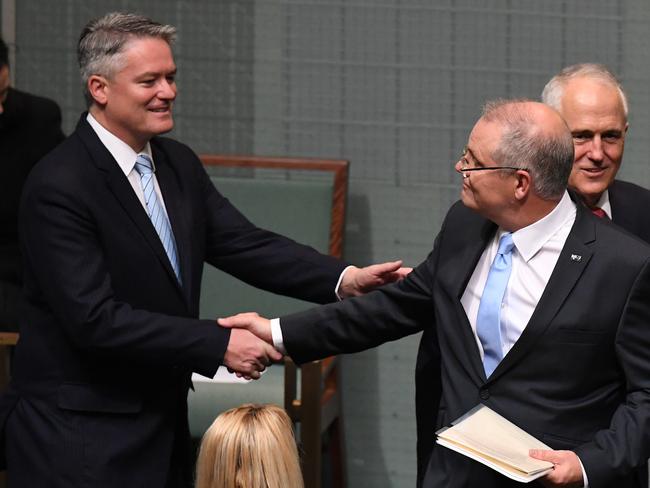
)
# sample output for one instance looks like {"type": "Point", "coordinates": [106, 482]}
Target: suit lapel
{"type": "Point", "coordinates": [119, 185]}
{"type": "Point", "coordinates": [573, 260]}
{"type": "Point", "coordinates": [458, 272]}
{"type": "Point", "coordinates": [624, 214]}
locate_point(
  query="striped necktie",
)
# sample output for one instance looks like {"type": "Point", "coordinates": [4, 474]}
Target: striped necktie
{"type": "Point", "coordinates": [144, 166]}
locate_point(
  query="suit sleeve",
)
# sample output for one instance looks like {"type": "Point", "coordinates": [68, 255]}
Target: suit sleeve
{"type": "Point", "coordinates": [389, 313]}
{"type": "Point", "coordinates": [626, 443]}
{"type": "Point", "coordinates": [68, 276]}
{"type": "Point", "coordinates": [262, 258]}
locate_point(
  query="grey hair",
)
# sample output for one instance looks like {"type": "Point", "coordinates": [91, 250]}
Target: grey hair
{"type": "Point", "coordinates": [102, 41]}
{"type": "Point", "coordinates": [554, 89]}
{"type": "Point", "coordinates": [546, 154]}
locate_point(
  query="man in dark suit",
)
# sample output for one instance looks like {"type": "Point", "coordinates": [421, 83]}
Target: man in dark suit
{"type": "Point", "coordinates": [560, 347]}
{"type": "Point", "coordinates": [116, 224]}
{"type": "Point", "coordinates": [595, 108]}
{"type": "Point", "coordinates": [30, 127]}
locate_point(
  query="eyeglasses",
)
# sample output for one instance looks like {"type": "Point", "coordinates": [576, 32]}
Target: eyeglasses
{"type": "Point", "coordinates": [466, 166]}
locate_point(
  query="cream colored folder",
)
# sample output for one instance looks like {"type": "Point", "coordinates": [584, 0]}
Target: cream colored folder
{"type": "Point", "coordinates": [485, 436]}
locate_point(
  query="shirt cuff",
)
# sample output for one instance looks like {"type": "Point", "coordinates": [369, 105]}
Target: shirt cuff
{"type": "Point", "coordinates": [278, 341]}
{"type": "Point", "coordinates": [585, 481]}
{"type": "Point", "coordinates": [338, 283]}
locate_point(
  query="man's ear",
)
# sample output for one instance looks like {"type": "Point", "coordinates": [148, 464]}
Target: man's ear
{"type": "Point", "coordinates": [98, 88]}
{"type": "Point", "coordinates": [523, 184]}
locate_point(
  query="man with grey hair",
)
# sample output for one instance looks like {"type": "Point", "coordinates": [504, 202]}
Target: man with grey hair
{"type": "Point", "coordinates": [595, 107]}
{"type": "Point", "coordinates": [116, 225]}
{"type": "Point", "coordinates": [527, 305]}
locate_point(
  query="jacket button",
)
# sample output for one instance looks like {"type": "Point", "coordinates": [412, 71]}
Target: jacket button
{"type": "Point", "coordinates": [484, 393]}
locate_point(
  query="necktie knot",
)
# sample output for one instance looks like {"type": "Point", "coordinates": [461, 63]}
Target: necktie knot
{"type": "Point", "coordinates": [506, 244]}
{"type": "Point", "coordinates": [598, 212]}
{"type": "Point", "coordinates": [143, 165]}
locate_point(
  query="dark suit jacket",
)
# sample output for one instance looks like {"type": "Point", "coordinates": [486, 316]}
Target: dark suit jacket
{"type": "Point", "coordinates": [578, 377]}
{"type": "Point", "coordinates": [109, 340]}
{"type": "Point", "coordinates": [630, 204]}
{"type": "Point", "coordinates": [30, 127]}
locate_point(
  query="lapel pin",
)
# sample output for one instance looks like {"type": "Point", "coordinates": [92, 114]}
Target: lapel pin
{"type": "Point", "coordinates": [576, 257]}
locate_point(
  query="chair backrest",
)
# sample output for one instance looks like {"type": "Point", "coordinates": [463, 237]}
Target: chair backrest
{"type": "Point", "coordinates": [303, 199]}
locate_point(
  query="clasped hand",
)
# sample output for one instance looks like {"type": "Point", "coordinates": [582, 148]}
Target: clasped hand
{"type": "Point", "coordinates": [250, 349]}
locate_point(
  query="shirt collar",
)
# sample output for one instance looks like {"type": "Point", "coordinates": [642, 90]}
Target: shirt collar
{"type": "Point", "coordinates": [604, 204]}
{"type": "Point", "coordinates": [531, 238]}
{"type": "Point", "coordinates": [120, 150]}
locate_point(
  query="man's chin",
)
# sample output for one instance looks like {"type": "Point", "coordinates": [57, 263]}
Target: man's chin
{"type": "Point", "coordinates": [592, 192]}
{"type": "Point", "coordinates": [468, 201]}
{"type": "Point", "coordinates": [164, 128]}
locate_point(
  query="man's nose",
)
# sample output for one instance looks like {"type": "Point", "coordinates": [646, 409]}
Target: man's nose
{"type": "Point", "coordinates": [596, 150]}
{"type": "Point", "coordinates": [167, 90]}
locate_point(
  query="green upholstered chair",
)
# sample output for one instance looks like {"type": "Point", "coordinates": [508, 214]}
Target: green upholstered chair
{"type": "Point", "coordinates": [303, 199]}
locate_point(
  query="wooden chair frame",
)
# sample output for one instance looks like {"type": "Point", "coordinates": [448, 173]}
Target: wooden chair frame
{"type": "Point", "coordinates": [318, 408]}
{"type": "Point", "coordinates": [7, 339]}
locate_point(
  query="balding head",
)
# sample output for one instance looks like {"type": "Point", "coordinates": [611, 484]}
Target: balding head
{"type": "Point", "coordinates": [535, 137]}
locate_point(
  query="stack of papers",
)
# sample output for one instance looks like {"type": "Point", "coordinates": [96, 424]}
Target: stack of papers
{"type": "Point", "coordinates": [485, 436]}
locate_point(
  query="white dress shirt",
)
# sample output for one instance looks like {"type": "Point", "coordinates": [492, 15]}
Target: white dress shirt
{"type": "Point", "coordinates": [537, 249]}
{"type": "Point", "coordinates": [125, 157]}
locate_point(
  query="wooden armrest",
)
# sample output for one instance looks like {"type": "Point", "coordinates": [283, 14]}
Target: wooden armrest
{"type": "Point", "coordinates": [8, 338]}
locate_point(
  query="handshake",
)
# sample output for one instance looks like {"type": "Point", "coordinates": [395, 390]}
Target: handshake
{"type": "Point", "coordinates": [250, 349]}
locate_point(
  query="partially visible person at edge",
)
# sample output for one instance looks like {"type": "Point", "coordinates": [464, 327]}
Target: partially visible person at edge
{"type": "Point", "coordinates": [594, 106]}
{"type": "Point", "coordinates": [30, 127]}
{"type": "Point", "coordinates": [249, 446]}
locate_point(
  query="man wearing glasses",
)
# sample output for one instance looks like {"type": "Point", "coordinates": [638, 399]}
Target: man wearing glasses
{"type": "Point", "coordinates": [529, 304]}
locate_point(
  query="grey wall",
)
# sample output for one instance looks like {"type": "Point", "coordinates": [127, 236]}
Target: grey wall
{"type": "Point", "coordinates": [392, 85]}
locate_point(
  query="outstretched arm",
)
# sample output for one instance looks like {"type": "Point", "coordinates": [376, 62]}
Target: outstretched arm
{"type": "Point", "coordinates": [359, 323]}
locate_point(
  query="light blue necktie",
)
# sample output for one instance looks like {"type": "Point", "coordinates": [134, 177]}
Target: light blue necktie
{"type": "Point", "coordinates": [144, 166]}
{"type": "Point", "coordinates": [488, 321]}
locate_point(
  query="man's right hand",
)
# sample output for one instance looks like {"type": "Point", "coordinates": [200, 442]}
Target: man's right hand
{"type": "Point", "coordinates": [248, 355]}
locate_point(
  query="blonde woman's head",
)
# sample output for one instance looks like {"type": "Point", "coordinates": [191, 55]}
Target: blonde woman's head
{"type": "Point", "coordinates": [251, 446]}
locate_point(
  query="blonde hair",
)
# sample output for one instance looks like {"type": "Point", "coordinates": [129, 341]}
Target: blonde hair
{"type": "Point", "coordinates": [251, 446]}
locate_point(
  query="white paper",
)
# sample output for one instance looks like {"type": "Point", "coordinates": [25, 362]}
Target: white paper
{"type": "Point", "coordinates": [487, 437]}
